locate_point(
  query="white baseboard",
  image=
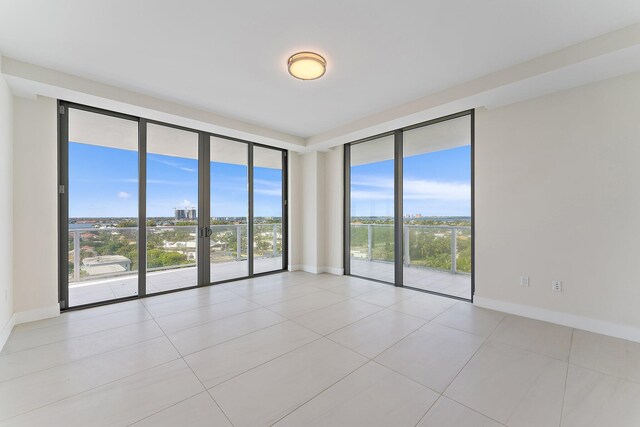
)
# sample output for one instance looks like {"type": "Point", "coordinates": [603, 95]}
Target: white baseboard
{"type": "Point", "coordinates": [37, 314]}
{"type": "Point", "coordinates": [571, 320]}
{"type": "Point", "coordinates": [317, 270]}
{"type": "Point", "coordinates": [6, 331]}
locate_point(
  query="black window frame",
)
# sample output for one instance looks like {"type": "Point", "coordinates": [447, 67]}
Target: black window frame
{"type": "Point", "coordinates": [203, 204]}
{"type": "Point", "coordinates": [398, 202]}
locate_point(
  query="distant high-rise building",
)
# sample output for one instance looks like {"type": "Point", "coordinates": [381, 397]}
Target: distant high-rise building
{"type": "Point", "coordinates": [186, 213]}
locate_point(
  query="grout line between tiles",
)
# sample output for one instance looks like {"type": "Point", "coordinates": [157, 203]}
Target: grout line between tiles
{"type": "Point", "coordinates": [192, 372]}
{"type": "Point", "coordinates": [566, 378]}
{"type": "Point", "coordinates": [83, 358]}
{"type": "Point", "coordinates": [181, 329]}
{"type": "Point", "coordinates": [163, 409]}
{"type": "Point", "coordinates": [486, 340]}
{"type": "Point", "coordinates": [319, 393]}
{"type": "Point", "coordinates": [430, 407]}
{"type": "Point", "coordinates": [91, 389]}
{"type": "Point", "coordinates": [263, 363]}
{"type": "Point", "coordinates": [78, 336]}
{"type": "Point", "coordinates": [230, 339]}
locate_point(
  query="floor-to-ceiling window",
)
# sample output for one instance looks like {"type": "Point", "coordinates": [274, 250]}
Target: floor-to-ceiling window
{"type": "Point", "coordinates": [268, 210]}
{"type": "Point", "coordinates": [409, 206]}
{"type": "Point", "coordinates": [102, 220]}
{"type": "Point", "coordinates": [172, 208]}
{"type": "Point", "coordinates": [436, 201]}
{"type": "Point", "coordinates": [229, 209]}
{"type": "Point", "coordinates": [150, 207]}
{"type": "Point", "coordinates": [372, 209]}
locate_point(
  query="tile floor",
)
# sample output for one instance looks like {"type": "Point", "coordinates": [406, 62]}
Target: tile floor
{"type": "Point", "coordinates": [297, 349]}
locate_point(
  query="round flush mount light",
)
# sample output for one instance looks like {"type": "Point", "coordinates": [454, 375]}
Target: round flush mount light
{"type": "Point", "coordinates": [307, 66]}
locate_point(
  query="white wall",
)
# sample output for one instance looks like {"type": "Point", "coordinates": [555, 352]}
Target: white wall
{"type": "Point", "coordinates": [311, 168]}
{"type": "Point", "coordinates": [558, 197]}
{"type": "Point", "coordinates": [294, 210]}
{"type": "Point", "coordinates": [6, 212]}
{"type": "Point", "coordinates": [332, 210]}
{"type": "Point", "coordinates": [35, 243]}
{"type": "Point", "coordinates": [320, 212]}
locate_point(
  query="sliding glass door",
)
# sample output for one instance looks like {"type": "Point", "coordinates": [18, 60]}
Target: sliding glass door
{"type": "Point", "coordinates": [171, 208]}
{"type": "Point", "coordinates": [229, 209]}
{"type": "Point", "coordinates": [436, 201]}
{"type": "Point", "coordinates": [102, 222]}
{"type": "Point", "coordinates": [268, 210]}
{"type": "Point", "coordinates": [148, 207]}
{"type": "Point", "coordinates": [409, 207]}
{"type": "Point", "coordinates": [372, 251]}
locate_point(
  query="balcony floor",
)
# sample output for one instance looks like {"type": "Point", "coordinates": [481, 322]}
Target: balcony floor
{"type": "Point", "coordinates": [458, 285]}
{"type": "Point", "coordinates": [105, 289]}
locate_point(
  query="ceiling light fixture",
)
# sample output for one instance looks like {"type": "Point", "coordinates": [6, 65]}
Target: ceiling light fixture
{"type": "Point", "coordinates": [307, 66]}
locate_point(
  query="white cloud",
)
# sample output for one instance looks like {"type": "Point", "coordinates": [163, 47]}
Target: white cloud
{"type": "Point", "coordinates": [267, 183]}
{"type": "Point", "coordinates": [268, 192]}
{"type": "Point", "coordinates": [435, 190]}
{"type": "Point", "coordinates": [267, 188]}
{"type": "Point", "coordinates": [175, 165]}
{"type": "Point", "coordinates": [124, 195]}
{"type": "Point", "coordinates": [376, 188]}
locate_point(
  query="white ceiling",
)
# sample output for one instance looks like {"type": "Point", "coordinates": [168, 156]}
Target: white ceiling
{"type": "Point", "coordinates": [229, 57]}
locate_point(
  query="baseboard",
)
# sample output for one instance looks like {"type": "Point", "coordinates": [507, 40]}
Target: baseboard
{"type": "Point", "coordinates": [332, 270]}
{"type": "Point", "coordinates": [37, 314]}
{"type": "Point", "coordinates": [316, 270]}
{"type": "Point", "coordinates": [571, 320]}
{"type": "Point", "coordinates": [6, 331]}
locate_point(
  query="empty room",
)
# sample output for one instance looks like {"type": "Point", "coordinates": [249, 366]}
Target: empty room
{"type": "Point", "coordinates": [296, 213]}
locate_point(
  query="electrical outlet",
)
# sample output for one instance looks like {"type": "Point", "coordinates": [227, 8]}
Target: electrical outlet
{"type": "Point", "coordinates": [524, 280]}
{"type": "Point", "coordinates": [556, 285]}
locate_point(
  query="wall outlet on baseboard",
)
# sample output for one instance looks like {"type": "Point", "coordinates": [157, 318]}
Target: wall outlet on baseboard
{"type": "Point", "coordinates": [524, 280]}
{"type": "Point", "coordinates": [556, 285]}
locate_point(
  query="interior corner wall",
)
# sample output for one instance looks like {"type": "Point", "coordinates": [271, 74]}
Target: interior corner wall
{"type": "Point", "coordinates": [309, 165]}
{"type": "Point", "coordinates": [6, 211]}
{"type": "Point", "coordinates": [332, 210]}
{"type": "Point", "coordinates": [557, 190]}
{"type": "Point", "coordinates": [316, 182]}
{"type": "Point", "coordinates": [294, 210]}
{"type": "Point", "coordinates": [35, 209]}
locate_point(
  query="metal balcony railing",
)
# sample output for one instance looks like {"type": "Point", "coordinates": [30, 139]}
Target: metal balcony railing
{"type": "Point", "coordinates": [454, 232]}
{"type": "Point", "coordinates": [271, 231]}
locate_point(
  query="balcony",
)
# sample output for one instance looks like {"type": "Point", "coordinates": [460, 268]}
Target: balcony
{"type": "Point", "coordinates": [435, 257]}
{"type": "Point", "coordinates": [106, 267]}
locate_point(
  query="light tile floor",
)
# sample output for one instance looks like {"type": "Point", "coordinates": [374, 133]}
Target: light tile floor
{"type": "Point", "coordinates": [298, 349]}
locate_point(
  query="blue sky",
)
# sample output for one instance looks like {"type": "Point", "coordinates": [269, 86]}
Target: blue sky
{"type": "Point", "coordinates": [103, 183]}
{"type": "Point", "coordinates": [435, 184]}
